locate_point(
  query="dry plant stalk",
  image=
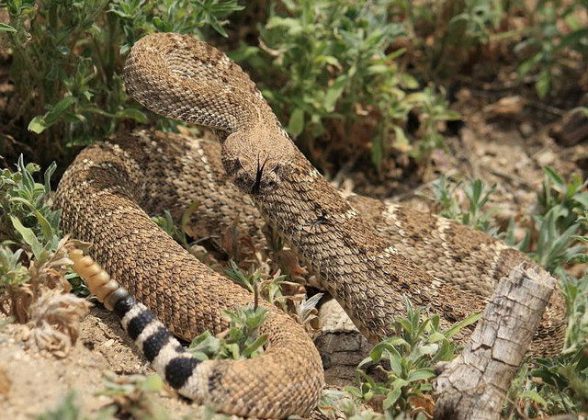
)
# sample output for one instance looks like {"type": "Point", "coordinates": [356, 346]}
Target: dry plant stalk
{"type": "Point", "coordinates": [52, 315]}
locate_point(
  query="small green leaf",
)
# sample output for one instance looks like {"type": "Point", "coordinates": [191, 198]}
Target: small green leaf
{"type": "Point", "coordinates": [553, 175]}
{"type": "Point", "coordinates": [421, 375]}
{"type": "Point", "coordinates": [534, 396]}
{"type": "Point", "coordinates": [391, 398]}
{"type": "Point", "coordinates": [543, 83]}
{"type": "Point", "coordinates": [37, 125]}
{"type": "Point", "coordinates": [253, 347]}
{"type": "Point", "coordinates": [47, 176]}
{"type": "Point", "coordinates": [582, 199]}
{"type": "Point", "coordinates": [471, 319]}
{"type": "Point", "coordinates": [296, 123]}
{"type": "Point", "coordinates": [133, 114]}
{"type": "Point", "coordinates": [53, 115]}
{"type": "Point", "coordinates": [45, 226]}
{"type": "Point", "coordinates": [29, 237]}
{"type": "Point", "coordinates": [6, 28]}
{"type": "Point", "coordinates": [334, 92]}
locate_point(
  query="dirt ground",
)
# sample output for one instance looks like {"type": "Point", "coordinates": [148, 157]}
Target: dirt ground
{"type": "Point", "coordinates": [502, 151]}
{"type": "Point", "coordinates": [31, 383]}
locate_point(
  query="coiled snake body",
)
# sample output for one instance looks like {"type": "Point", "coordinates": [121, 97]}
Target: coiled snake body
{"type": "Point", "coordinates": [367, 254]}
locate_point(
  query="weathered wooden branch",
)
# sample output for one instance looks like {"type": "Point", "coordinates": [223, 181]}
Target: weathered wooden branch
{"type": "Point", "coordinates": [474, 385]}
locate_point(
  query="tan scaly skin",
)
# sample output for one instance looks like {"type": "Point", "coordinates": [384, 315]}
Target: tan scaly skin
{"type": "Point", "coordinates": [368, 254]}
{"type": "Point", "coordinates": [103, 195]}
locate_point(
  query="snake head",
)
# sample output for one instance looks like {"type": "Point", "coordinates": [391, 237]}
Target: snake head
{"type": "Point", "coordinates": [255, 166]}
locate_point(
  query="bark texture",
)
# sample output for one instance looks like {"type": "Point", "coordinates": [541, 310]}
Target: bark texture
{"type": "Point", "coordinates": [474, 385]}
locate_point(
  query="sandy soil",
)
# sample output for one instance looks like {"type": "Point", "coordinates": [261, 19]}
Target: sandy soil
{"type": "Point", "coordinates": [34, 383]}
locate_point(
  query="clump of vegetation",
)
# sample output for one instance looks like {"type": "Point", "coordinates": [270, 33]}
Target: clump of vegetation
{"type": "Point", "coordinates": [346, 76]}
{"type": "Point", "coordinates": [547, 40]}
{"type": "Point", "coordinates": [562, 210]}
{"type": "Point", "coordinates": [477, 195]}
{"type": "Point", "coordinates": [332, 70]}
{"type": "Point", "coordinates": [559, 225]}
{"type": "Point", "coordinates": [407, 360]}
{"type": "Point", "coordinates": [34, 262]}
{"type": "Point", "coordinates": [241, 341]}
{"type": "Point", "coordinates": [26, 216]}
{"type": "Point", "coordinates": [547, 386]}
{"type": "Point", "coordinates": [29, 231]}
{"type": "Point", "coordinates": [551, 45]}
{"type": "Point", "coordinates": [67, 59]}
{"type": "Point", "coordinates": [131, 396]}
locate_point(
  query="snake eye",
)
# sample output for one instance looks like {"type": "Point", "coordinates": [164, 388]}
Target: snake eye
{"type": "Point", "coordinates": [232, 166]}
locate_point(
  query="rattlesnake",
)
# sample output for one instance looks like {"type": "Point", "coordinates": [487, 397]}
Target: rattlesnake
{"type": "Point", "coordinates": [366, 253]}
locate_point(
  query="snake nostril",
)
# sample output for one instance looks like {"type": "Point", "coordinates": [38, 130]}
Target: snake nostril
{"type": "Point", "coordinates": [277, 169]}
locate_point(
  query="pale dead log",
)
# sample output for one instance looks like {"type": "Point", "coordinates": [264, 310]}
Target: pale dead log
{"type": "Point", "coordinates": [474, 385]}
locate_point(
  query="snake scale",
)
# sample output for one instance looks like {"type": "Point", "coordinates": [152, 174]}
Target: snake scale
{"type": "Point", "coordinates": [367, 253]}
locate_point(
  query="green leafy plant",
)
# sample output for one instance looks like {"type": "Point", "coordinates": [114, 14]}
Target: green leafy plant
{"type": "Point", "coordinates": [576, 293]}
{"type": "Point", "coordinates": [12, 272]}
{"type": "Point", "coordinates": [554, 247]}
{"type": "Point", "coordinates": [13, 276]}
{"type": "Point", "coordinates": [241, 341]}
{"type": "Point", "coordinates": [167, 223]}
{"type": "Point", "coordinates": [131, 396]}
{"type": "Point", "coordinates": [445, 36]}
{"type": "Point", "coordinates": [270, 288]}
{"type": "Point", "coordinates": [407, 359]}
{"type": "Point", "coordinates": [477, 195]}
{"type": "Point", "coordinates": [447, 33]}
{"type": "Point", "coordinates": [328, 68]}
{"type": "Point", "coordinates": [31, 242]}
{"type": "Point", "coordinates": [67, 62]}
{"type": "Point", "coordinates": [139, 17]}
{"type": "Point", "coordinates": [27, 223]}
{"type": "Point", "coordinates": [561, 220]}
{"type": "Point", "coordinates": [571, 196]}
{"type": "Point", "coordinates": [546, 387]}
{"type": "Point", "coordinates": [546, 48]}
{"type": "Point", "coordinates": [559, 223]}
{"type": "Point", "coordinates": [26, 217]}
